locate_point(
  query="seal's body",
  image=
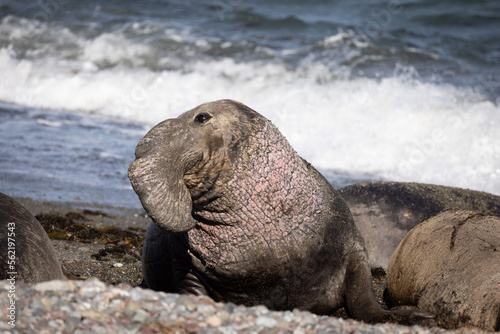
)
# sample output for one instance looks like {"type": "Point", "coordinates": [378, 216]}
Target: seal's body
{"type": "Point", "coordinates": [27, 253]}
{"type": "Point", "coordinates": [450, 265]}
{"type": "Point", "coordinates": [239, 216]}
{"type": "Point", "coordinates": [385, 211]}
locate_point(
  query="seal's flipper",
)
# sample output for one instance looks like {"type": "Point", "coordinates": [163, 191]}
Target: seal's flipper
{"type": "Point", "coordinates": [156, 260]}
{"type": "Point", "coordinates": [362, 304]}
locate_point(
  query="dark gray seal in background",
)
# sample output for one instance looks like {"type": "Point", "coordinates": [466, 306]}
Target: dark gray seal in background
{"type": "Point", "coordinates": [450, 265]}
{"type": "Point", "coordinates": [385, 211]}
{"type": "Point", "coordinates": [240, 217]}
{"type": "Point", "coordinates": [26, 251]}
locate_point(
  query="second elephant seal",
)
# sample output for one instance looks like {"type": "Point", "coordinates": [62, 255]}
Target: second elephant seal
{"type": "Point", "coordinates": [27, 252]}
{"type": "Point", "coordinates": [450, 265]}
{"type": "Point", "coordinates": [240, 217]}
{"type": "Point", "coordinates": [385, 211]}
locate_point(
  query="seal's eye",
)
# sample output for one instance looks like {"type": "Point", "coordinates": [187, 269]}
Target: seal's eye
{"type": "Point", "coordinates": [202, 118]}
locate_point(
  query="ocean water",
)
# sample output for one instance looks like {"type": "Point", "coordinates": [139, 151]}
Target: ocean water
{"type": "Point", "coordinates": [363, 89]}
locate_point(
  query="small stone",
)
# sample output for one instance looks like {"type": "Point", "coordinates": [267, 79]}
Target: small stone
{"type": "Point", "coordinates": [55, 285]}
{"type": "Point", "coordinates": [288, 316]}
{"type": "Point", "coordinates": [303, 318]}
{"type": "Point", "coordinates": [57, 323]}
{"type": "Point", "coordinates": [140, 316]}
{"type": "Point", "coordinates": [36, 306]}
{"type": "Point", "coordinates": [205, 310]}
{"type": "Point", "coordinates": [131, 308]}
{"type": "Point", "coordinates": [119, 292]}
{"type": "Point", "coordinates": [27, 312]}
{"type": "Point", "coordinates": [137, 294]}
{"type": "Point", "coordinates": [91, 314]}
{"type": "Point", "coordinates": [85, 305]}
{"type": "Point", "coordinates": [169, 298]}
{"type": "Point", "coordinates": [192, 327]}
{"type": "Point", "coordinates": [75, 317]}
{"type": "Point", "coordinates": [121, 305]}
{"type": "Point", "coordinates": [214, 321]}
{"type": "Point", "coordinates": [187, 302]}
{"type": "Point", "coordinates": [260, 309]}
{"type": "Point", "coordinates": [161, 327]}
{"type": "Point", "coordinates": [91, 287]}
{"type": "Point", "coordinates": [46, 302]}
{"type": "Point", "coordinates": [299, 330]}
{"type": "Point", "coordinates": [223, 315]}
{"type": "Point", "coordinates": [118, 265]}
{"type": "Point", "coordinates": [229, 307]}
{"type": "Point", "coordinates": [266, 321]}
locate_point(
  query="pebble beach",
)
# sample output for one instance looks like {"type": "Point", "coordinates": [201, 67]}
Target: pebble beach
{"type": "Point", "coordinates": [103, 297]}
{"type": "Point", "coordinates": [92, 306]}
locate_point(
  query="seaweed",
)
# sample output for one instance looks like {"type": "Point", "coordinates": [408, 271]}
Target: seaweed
{"type": "Point", "coordinates": [74, 227]}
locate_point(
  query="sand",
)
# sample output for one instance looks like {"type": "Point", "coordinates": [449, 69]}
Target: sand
{"type": "Point", "coordinates": [104, 242]}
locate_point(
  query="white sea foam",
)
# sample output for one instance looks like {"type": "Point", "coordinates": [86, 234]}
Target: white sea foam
{"type": "Point", "coordinates": [394, 128]}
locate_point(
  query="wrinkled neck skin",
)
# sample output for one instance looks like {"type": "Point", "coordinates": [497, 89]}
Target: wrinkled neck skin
{"type": "Point", "coordinates": [257, 219]}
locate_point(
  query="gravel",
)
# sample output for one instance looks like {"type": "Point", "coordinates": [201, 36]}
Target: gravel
{"type": "Point", "coordinates": [105, 301]}
{"type": "Point", "coordinates": [91, 306]}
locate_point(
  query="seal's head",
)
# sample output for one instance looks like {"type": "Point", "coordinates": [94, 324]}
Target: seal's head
{"type": "Point", "coordinates": [179, 160]}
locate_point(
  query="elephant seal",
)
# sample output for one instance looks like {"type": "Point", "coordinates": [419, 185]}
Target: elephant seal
{"type": "Point", "coordinates": [27, 253]}
{"type": "Point", "coordinates": [385, 211]}
{"type": "Point", "coordinates": [450, 265]}
{"type": "Point", "coordinates": [240, 217]}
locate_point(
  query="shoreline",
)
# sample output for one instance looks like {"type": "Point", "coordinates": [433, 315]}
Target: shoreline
{"type": "Point", "coordinates": [112, 215]}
